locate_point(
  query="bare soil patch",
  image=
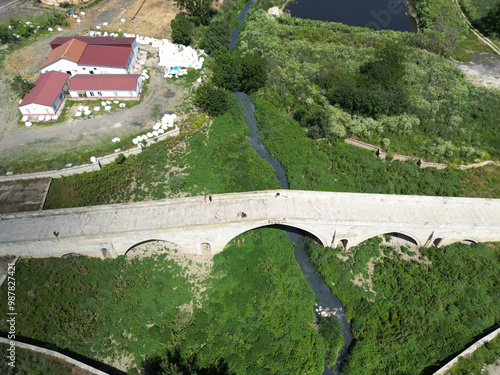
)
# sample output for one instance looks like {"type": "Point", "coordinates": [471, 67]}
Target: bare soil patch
{"type": "Point", "coordinates": [25, 195]}
{"type": "Point", "coordinates": [484, 70]}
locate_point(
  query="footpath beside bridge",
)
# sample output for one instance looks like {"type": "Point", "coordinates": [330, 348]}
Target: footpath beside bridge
{"type": "Point", "coordinates": [196, 225]}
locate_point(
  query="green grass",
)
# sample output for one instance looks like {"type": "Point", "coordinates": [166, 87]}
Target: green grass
{"type": "Point", "coordinates": [209, 160]}
{"type": "Point", "coordinates": [470, 45]}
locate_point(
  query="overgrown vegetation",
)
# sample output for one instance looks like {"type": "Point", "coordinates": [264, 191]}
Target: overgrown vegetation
{"type": "Point", "coordinates": [484, 15]}
{"type": "Point", "coordinates": [487, 354]}
{"type": "Point", "coordinates": [421, 312]}
{"type": "Point", "coordinates": [339, 80]}
{"type": "Point", "coordinates": [255, 318]}
{"type": "Point", "coordinates": [205, 160]}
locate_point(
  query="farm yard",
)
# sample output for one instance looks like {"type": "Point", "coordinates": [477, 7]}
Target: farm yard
{"type": "Point", "coordinates": [78, 135]}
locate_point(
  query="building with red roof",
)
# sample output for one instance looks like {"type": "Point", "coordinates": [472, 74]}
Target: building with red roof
{"type": "Point", "coordinates": [91, 55]}
{"type": "Point", "coordinates": [46, 96]}
{"type": "Point", "coordinates": [109, 86]}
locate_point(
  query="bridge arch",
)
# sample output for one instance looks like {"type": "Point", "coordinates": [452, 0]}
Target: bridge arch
{"type": "Point", "coordinates": [401, 235]}
{"type": "Point", "coordinates": [283, 225]}
{"type": "Point", "coordinates": [136, 249]}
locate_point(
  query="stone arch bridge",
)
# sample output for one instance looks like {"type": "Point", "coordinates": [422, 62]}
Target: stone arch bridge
{"type": "Point", "coordinates": [196, 225]}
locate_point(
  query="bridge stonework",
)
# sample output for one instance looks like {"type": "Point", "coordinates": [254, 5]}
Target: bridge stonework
{"type": "Point", "coordinates": [196, 225]}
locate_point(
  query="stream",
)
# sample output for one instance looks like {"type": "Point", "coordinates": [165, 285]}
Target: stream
{"type": "Point", "coordinates": [324, 295]}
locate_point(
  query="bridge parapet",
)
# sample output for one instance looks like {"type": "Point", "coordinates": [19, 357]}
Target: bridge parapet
{"type": "Point", "coordinates": [194, 225]}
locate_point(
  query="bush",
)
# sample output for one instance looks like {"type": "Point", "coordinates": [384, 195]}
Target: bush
{"type": "Point", "coordinates": [217, 37]}
{"type": "Point", "coordinates": [181, 29]}
{"type": "Point", "coordinates": [21, 86]}
{"type": "Point", "coordinates": [225, 70]}
{"type": "Point", "coordinates": [253, 72]}
{"type": "Point", "coordinates": [176, 183]}
{"type": "Point", "coordinates": [211, 99]}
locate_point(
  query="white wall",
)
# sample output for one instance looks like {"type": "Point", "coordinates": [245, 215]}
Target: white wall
{"type": "Point", "coordinates": [36, 110]}
{"type": "Point", "coordinates": [62, 65]}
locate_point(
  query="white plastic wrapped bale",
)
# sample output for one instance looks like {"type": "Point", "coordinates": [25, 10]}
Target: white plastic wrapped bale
{"type": "Point", "coordinates": [48, 118]}
{"type": "Point", "coordinates": [93, 159]}
{"type": "Point", "coordinates": [149, 134]}
{"type": "Point", "coordinates": [105, 33]}
{"type": "Point", "coordinates": [98, 33]}
{"type": "Point", "coordinates": [24, 119]}
{"type": "Point", "coordinates": [81, 107]}
{"type": "Point", "coordinates": [59, 29]}
{"type": "Point", "coordinates": [104, 104]}
{"type": "Point", "coordinates": [78, 20]}
{"type": "Point", "coordinates": [172, 55]}
{"type": "Point", "coordinates": [97, 109]}
{"type": "Point", "coordinates": [161, 131]}
{"type": "Point", "coordinates": [157, 126]}
{"type": "Point", "coordinates": [155, 133]}
{"type": "Point", "coordinates": [123, 20]}
{"type": "Point", "coordinates": [55, 117]}
{"type": "Point", "coordinates": [107, 108]}
{"type": "Point", "coordinates": [122, 105]}
{"type": "Point", "coordinates": [116, 101]}
{"type": "Point", "coordinates": [41, 118]}
{"type": "Point", "coordinates": [87, 113]}
{"type": "Point", "coordinates": [78, 114]}
{"type": "Point", "coordinates": [82, 13]}
{"type": "Point", "coordinates": [28, 124]}
{"type": "Point", "coordinates": [135, 141]}
{"type": "Point", "coordinates": [115, 140]}
{"type": "Point", "coordinates": [50, 29]}
{"type": "Point", "coordinates": [98, 27]}
{"type": "Point", "coordinates": [105, 24]}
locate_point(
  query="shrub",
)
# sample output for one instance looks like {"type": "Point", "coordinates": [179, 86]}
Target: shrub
{"type": "Point", "coordinates": [211, 99]}
{"type": "Point", "coordinates": [217, 37]}
{"type": "Point", "coordinates": [181, 29]}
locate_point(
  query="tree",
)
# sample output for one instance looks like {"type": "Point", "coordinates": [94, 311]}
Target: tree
{"type": "Point", "coordinates": [212, 99]}
{"type": "Point", "coordinates": [225, 71]}
{"type": "Point", "coordinates": [199, 9]}
{"type": "Point", "coordinates": [181, 29]}
{"type": "Point", "coordinates": [217, 37]}
{"type": "Point", "coordinates": [21, 86]}
{"type": "Point", "coordinates": [253, 72]}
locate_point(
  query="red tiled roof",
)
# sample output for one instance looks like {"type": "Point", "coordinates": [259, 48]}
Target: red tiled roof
{"type": "Point", "coordinates": [71, 50]}
{"type": "Point", "coordinates": [47, 88]}
{"type": "Point", "coordinates": [94, 40]}
{"type": "Point", "coordinates": [104, 82]}
{"type": "Point", "coordinates": [105, 56]}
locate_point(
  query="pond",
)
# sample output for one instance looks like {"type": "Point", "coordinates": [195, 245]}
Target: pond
{"type": "Point", "coordinates": [375, 14]}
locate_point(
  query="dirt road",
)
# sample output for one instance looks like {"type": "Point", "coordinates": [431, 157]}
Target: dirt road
{"type": "Point", "coordinates": [16, 141]}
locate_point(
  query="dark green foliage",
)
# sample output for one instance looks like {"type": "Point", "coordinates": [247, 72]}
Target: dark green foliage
{"type": "Point", "coordinates": [257, 312]}
{"type": "Point", "coordinates": [120, 159]}
{"type": "Point", "coordinates": [181, 29]}
{"type": "Point", "coordinates": [66, 5]}
{"type": "Point", "coordinates": [217, 36]}
{"type": "Point", "coordinates": [176, 183]}
{"type": "Point", "coordinates": [484, 15]}
{"type": "Point", "coordinates": [213, 100]}
{"type": "Point", "coordinates": [28, 362]}
{"type": "Point", "coordinates": [421, 314]}
{"type": "Point", "coordinates": [21, 86]}
{"type": "Point", "coordinates": [199, 9]}
{"type": "Point", "coordinates": [331, 331]}
{"type": "Point", "coordinates": [473, 365]}
{"type": "Point", "coordinates": [225, 70]}
{"type": "Point", "coordinates": [253, 73]}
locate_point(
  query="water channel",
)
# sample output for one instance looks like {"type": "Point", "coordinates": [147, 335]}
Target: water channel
{"type": "Point", "coordinates": [324, 296]}
{"type": "Point", "coordinates": [375, 14]}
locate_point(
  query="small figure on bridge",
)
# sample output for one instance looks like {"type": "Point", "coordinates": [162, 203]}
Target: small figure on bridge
{"type": "Point", "coordinates": [277, 195]}
{"type": "Point", "coordinates": [243, 215]}
{"type": "Point", "coordinates": [205, 198]}
{"type": "Point", "coordinates": [56, 234]}
{"type": "Point", "coordinates": [216, 216]}
{"type": "Point", "coordinates": [210, 198]}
